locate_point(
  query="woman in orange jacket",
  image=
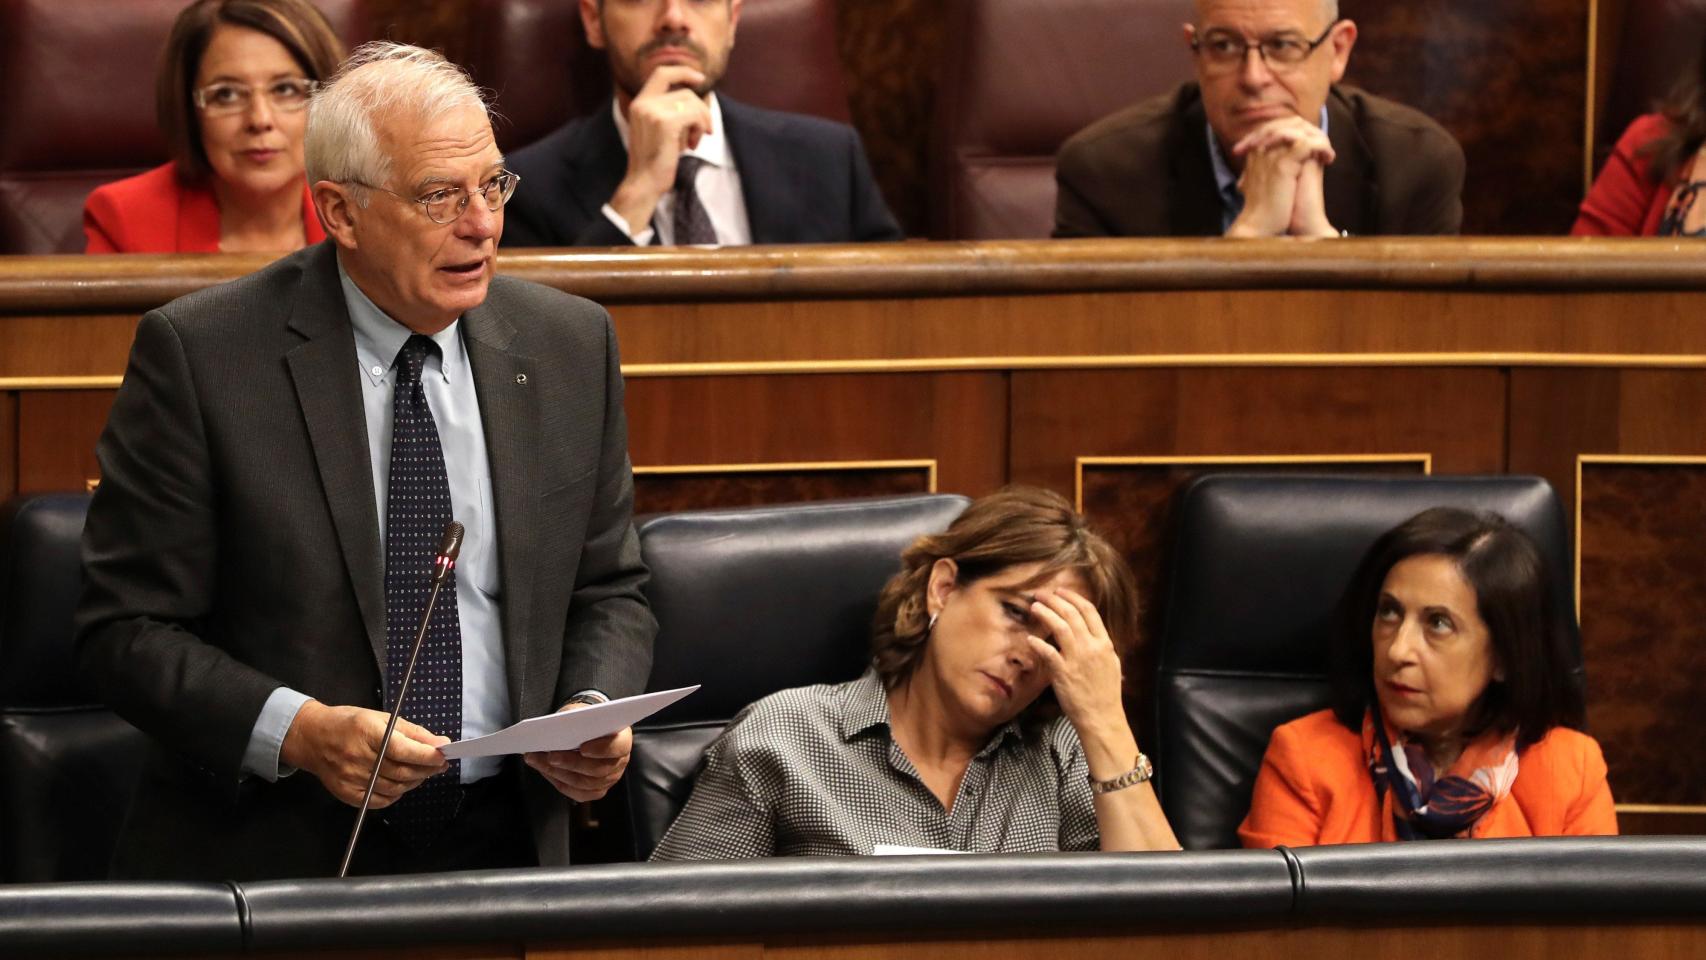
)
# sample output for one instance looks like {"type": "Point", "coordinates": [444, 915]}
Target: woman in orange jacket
{"type": "Point", "coordinates": [1455, 712]}
{"type": "Point", "coordinates": [232, 95]}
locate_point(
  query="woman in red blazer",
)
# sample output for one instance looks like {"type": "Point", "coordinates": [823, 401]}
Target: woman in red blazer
{"type": "Point", "coordinates": [234, 81]}
{"type": "Point", "coordinates": [1455, 711]}
{"type": "Point", "coordinates": [1651, 184]}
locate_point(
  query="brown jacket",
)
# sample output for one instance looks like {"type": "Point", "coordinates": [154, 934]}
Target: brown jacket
{"type": "Point", "coordinates": [1145, 171]}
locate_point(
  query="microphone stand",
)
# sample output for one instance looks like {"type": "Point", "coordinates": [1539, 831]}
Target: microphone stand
{"type": "Point", "coordinates": [449, 546]}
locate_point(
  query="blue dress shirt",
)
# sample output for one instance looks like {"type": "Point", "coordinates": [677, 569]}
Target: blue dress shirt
{"type": "Point", "coordinates": [449, 387]}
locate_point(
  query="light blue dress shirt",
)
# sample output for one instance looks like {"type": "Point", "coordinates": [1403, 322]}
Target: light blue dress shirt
{"type": "Point", "coordinates": [1231, 198]}
{"type": "Point", "coordinates": [449, 388]}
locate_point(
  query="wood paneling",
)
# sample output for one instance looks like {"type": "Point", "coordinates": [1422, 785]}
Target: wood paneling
{"type": "Point", "coordinates": [959, 420]}
{"type": "Point", "coordinates": [1508, 79]}
{"type": "Point", "coordinates": [9, 449]}
{"type": "Point", "coordinates": [1640, 543]}
{"type": "Point", "coordinates": [59, 428]}
{"type": "Point", "coordinates": [1558, 414]}
{"type": "Point", "coordinates": [890, 51]}
{"type": "Point", "coordinates": [1638, 583]}
{"type": "Point", "coordinates": [1230, 938]}
{"type": "Point", "coordinates": [1060, 416]}
{"type": "Point", "coordinates": [1662, 821]}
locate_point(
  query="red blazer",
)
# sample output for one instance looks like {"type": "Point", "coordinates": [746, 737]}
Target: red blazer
{"type": "Point", "coordinates": [1624, 201]}
{"type": "Point", "coordinates": [1314, 788]}
{"type": "Point", "coordinates": [154, 213]}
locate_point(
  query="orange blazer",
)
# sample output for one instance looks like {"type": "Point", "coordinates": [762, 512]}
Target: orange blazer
{"type": "Point", "coordinates": [153, 213]}
{"type": "Point", "coordinates": [1314, 788]}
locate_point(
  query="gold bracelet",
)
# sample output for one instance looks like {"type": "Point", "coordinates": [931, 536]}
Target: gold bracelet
{"type": "Point", "coordinates": [1139, 773]}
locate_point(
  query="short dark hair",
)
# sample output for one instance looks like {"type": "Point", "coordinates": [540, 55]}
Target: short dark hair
{"type": "Point", "coordinates": [297, 24]}
{"type": "Point", "coordinates": [1013, 526]}
{"type": "Point", "coordinates": [1513, 594]}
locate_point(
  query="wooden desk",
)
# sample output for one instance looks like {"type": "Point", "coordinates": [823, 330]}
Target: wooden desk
{"type": "Point", "coordinates": [1112, 371]}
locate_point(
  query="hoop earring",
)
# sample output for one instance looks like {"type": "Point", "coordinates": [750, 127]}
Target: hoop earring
{"type": "Point", "coordinates": [931, 625]}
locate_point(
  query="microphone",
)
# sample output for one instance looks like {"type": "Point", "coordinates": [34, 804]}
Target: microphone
{"type": "Point", "coordinates": [449, 546]}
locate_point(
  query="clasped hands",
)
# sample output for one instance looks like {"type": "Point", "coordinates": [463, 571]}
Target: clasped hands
{"type": "Point", "coordinates": [1285, 161]}
{"type": "Point", "coordinates": [338, 746]}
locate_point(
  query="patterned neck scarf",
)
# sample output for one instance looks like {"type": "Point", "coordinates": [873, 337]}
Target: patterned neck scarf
{"type": "Point", "coordinates": [1427, 805]}
{"type": "Point", "coordinates": [1685, 215]}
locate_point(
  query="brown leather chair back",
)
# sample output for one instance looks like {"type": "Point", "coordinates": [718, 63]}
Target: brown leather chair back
{"type": "Point", "coordinates": [1018, 78]}
{"type": "Point", "coordinates": [533, 56]}
{"type": "Point", "coordinates": [79, 82]}
{"type": "Point", "coordinates": [1653, 44]}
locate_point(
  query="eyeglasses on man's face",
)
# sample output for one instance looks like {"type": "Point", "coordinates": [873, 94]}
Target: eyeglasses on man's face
{"type": "Point", "coordinates": [228, 97]}
{"type": "Point", "coordinates": [1223, 50]}
{"type": "Point", "coordinates": [446, 204]}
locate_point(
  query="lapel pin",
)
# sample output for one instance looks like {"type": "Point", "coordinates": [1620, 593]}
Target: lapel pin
{"type": "Point", "coordinates": [521, 378]}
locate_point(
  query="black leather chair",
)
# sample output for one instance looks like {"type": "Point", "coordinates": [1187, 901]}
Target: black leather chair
{"type": "Point", "coordinates": [752, 601]}
{"type": "Point", "coordinates": [1257, 569]}
{"type": "Point", "coordinates": [67, 766]}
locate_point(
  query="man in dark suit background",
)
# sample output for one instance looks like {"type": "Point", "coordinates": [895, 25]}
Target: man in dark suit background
{"type": "Point", "coordinates": [670, 161]}
{"type": "Point", "coordinates": [1265, 142]}
{"type": "Point", "coordinates": [277, 468]}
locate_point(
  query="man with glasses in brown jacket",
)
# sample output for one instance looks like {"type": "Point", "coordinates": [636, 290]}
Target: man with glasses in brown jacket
{"type": "Point", "coordinates": [1264, 143]}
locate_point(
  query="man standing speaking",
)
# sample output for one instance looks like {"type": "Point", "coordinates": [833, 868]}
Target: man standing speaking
{"type": "Point", "coordinates": [277, 469]}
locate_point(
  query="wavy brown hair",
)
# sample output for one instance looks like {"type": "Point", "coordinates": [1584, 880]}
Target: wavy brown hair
{"type": "Point", "coordinates": [297, 24]}
{"type": "Point", "coordinates": [1009, 528]}
{"type": "Point", "coordinates": [1685, 108]}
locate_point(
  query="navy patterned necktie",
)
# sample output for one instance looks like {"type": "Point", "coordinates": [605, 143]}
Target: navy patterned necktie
{"type": "Point", "coordinates": [417, 507]}
{"type": "Point", "coordinates": [692, 223]}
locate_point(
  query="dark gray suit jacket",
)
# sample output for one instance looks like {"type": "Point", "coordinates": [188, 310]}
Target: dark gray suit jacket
{"type": "Point", "coordinates": [233, 547]}
{"type": "Point", "coordinates": [1145, 171]}
{"type": "Point", "coordinates": [805, 180]}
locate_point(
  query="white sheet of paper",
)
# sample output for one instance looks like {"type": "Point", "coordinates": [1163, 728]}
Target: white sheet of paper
{"type": "Point", "coordinates": [900, 850]}
{"type": "Point", "coordinates": [566, 731]}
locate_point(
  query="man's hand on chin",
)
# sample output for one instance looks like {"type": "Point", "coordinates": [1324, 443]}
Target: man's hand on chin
{"type": "Point", "coordinates": [665, 118]}
{"type": "Point", "coordinates": [1284, 160]}
{"type": "Point", "coordinates": [589, 772]}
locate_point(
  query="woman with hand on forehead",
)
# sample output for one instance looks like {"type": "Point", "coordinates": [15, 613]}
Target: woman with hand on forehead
{"type": "Point", "coordinates": [1455, 713]}
{"type": "Point", "coordinates": [231, 96]}
{"type": "Point", "coordinates": [989, 720]}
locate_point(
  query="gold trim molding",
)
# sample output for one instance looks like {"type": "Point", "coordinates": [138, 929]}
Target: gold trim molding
{"type": "Point", "coordinates": [1128, 361]}
{"type": "Point", "coordinates": [802, 466]}
{"type": "Point", "coordinates": [1254, 460]}
{"type": "Point", "coordinates": [1684, 809]}
{"type": "Point", "coordinates": [60, 383]}
{"type": "Point", "coordinates": [639, 371]}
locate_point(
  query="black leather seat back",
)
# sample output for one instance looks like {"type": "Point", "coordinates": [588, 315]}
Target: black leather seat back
{"type": "Point", "coordinates": [750, 602]}
{"type": "Point", "coordinates": [67, 766]}
{"type": "Point", "coordinates": [1257, 570]}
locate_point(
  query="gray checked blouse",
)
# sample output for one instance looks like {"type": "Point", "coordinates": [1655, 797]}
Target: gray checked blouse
{"type": "Point", "coordinates": [814, 770]}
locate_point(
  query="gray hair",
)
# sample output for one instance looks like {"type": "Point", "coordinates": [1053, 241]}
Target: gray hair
{"type": "Point", "coordinates": [379, 78]}
{"type": "Point", "coordinates": [1329, 9]}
